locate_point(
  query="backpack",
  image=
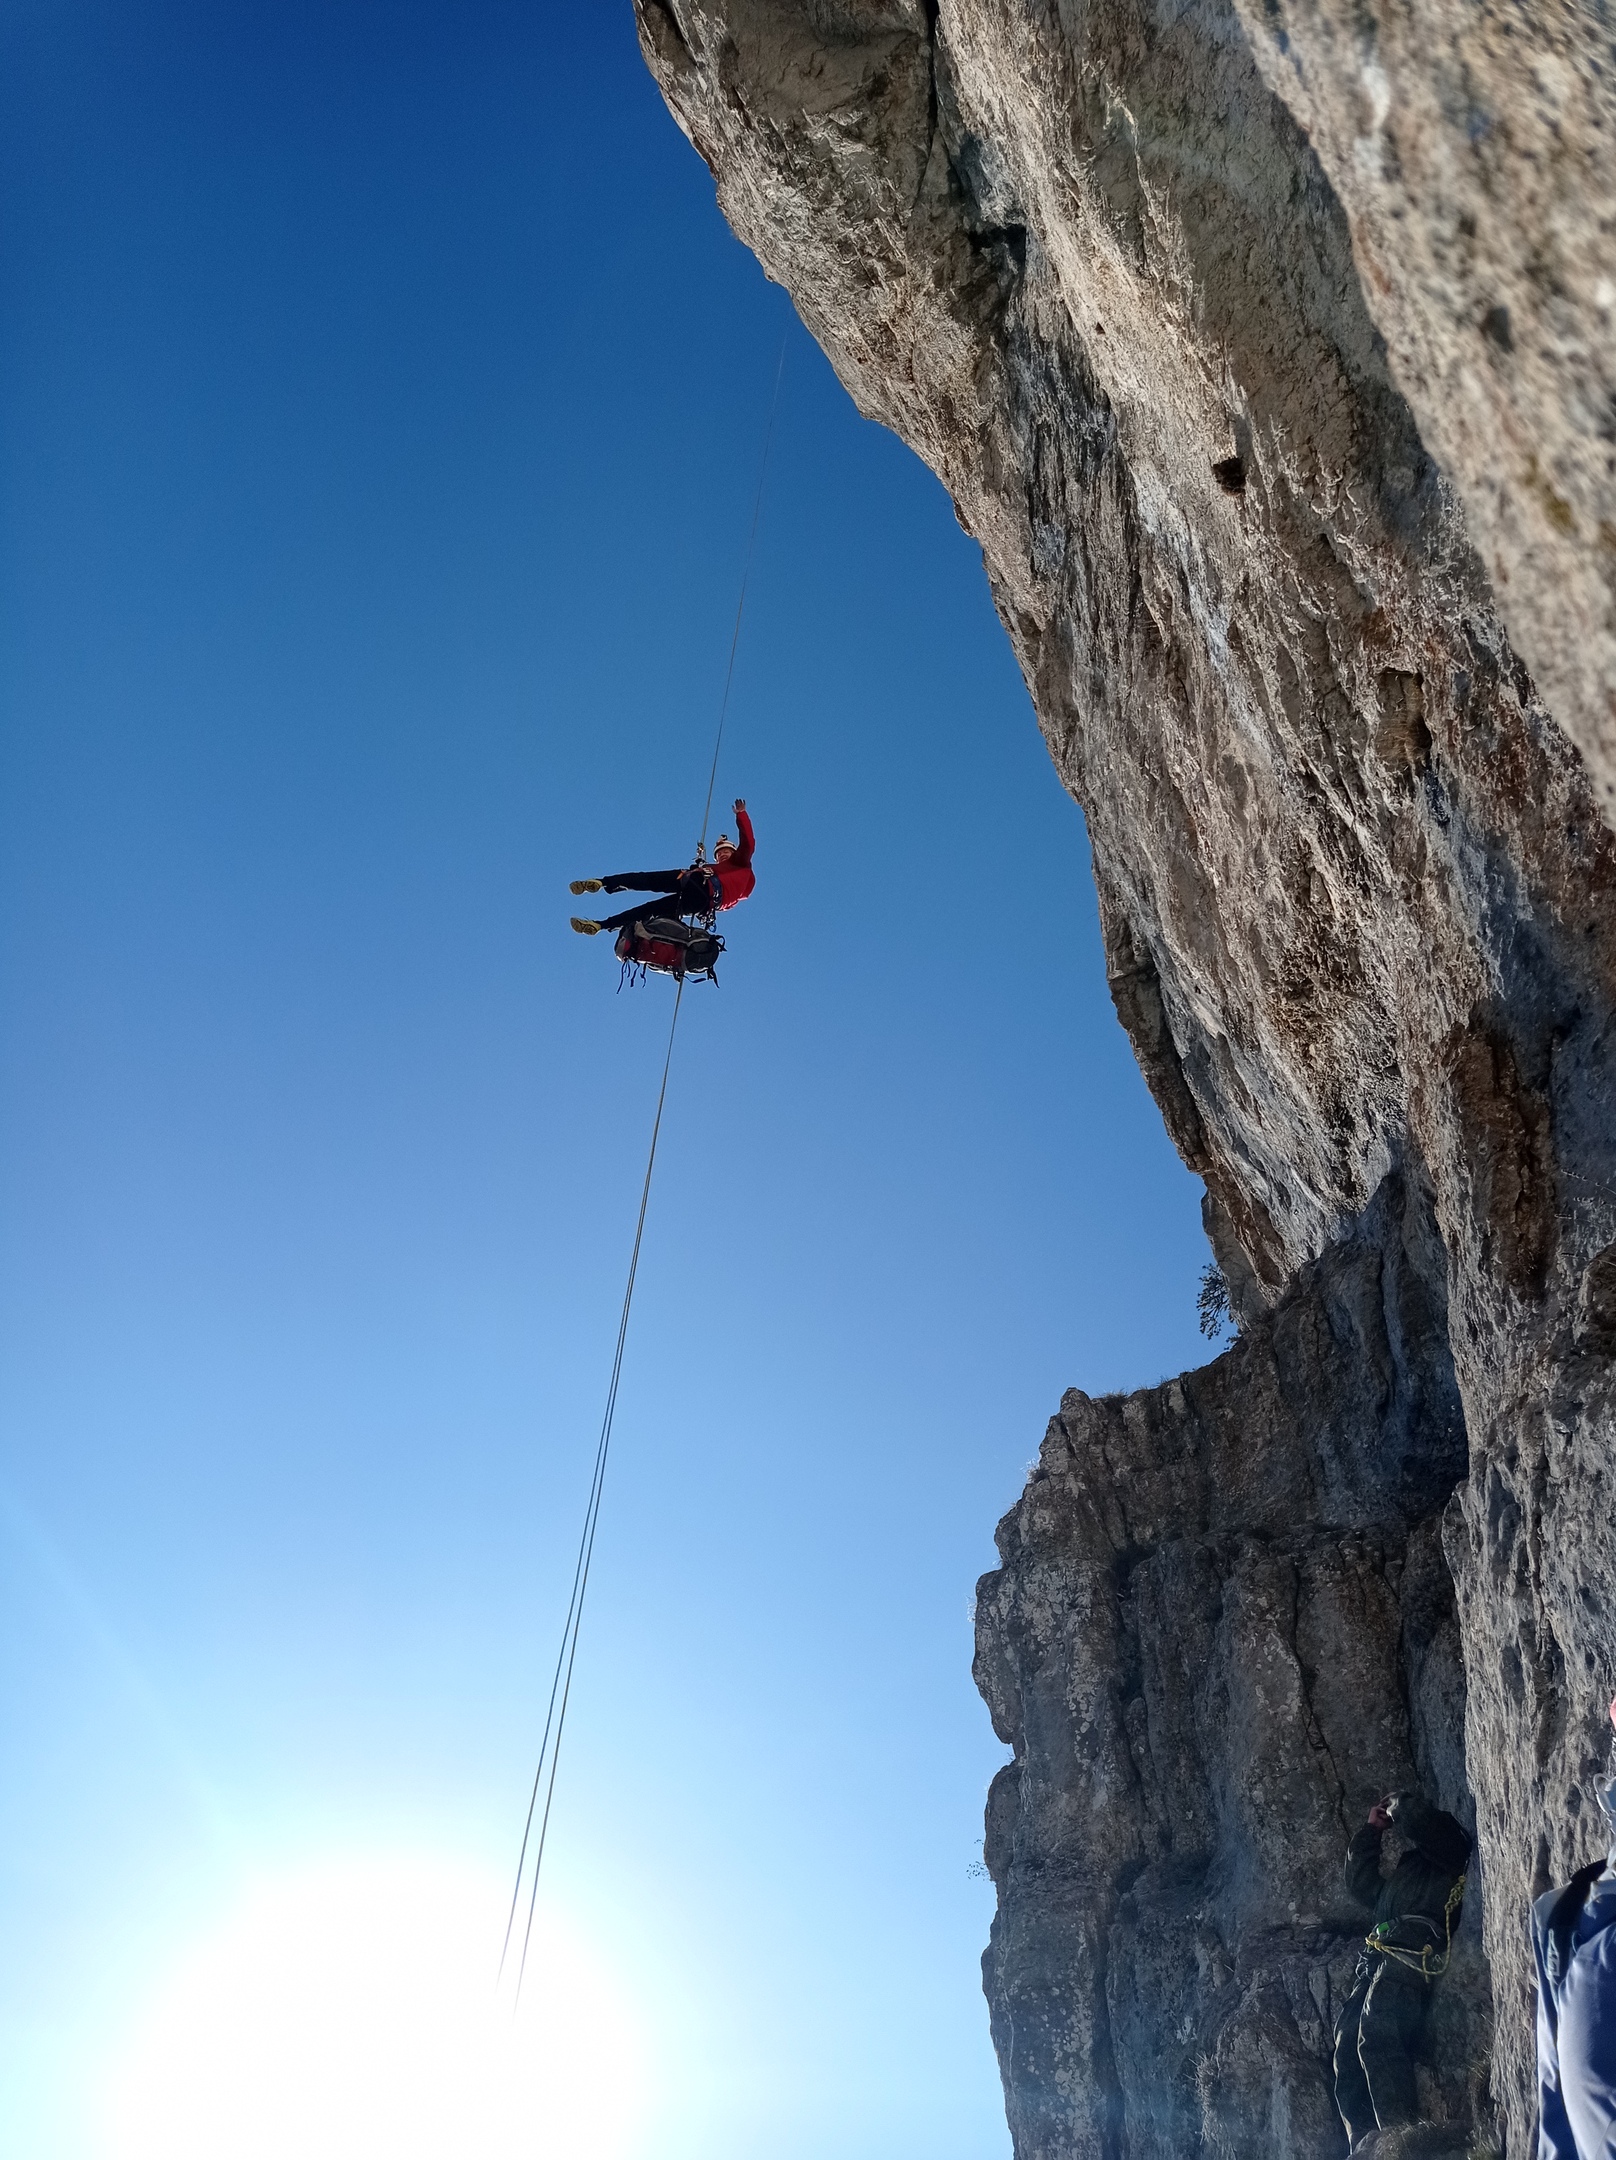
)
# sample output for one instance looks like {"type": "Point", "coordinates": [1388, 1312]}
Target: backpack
{"type": "Point", "coordinates": [668, 947]}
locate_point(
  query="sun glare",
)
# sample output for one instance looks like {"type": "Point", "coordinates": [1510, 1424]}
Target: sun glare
{"type": "Point", "coordinates": [348, 2013]}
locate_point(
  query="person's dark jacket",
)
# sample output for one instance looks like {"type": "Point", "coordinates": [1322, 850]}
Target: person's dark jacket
{"type": "Point", "coordinates": [1413, 1898]}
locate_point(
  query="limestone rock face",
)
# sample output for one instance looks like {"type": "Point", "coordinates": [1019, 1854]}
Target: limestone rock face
{"type": "Point", "coordinates": [1303, 563]}
{"type": "Point", "coordinates": [1473, 149]}
{"type": "Point", "coordinates": [1223, 1627]}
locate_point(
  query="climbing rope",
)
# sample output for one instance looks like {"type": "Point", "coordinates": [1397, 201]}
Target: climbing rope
{"type": "Point", "coordinates": [1422, 1961]}
{"type": "Point", "coordinates": [735, 634]}
{"type": "Point", "coordinates": [555, 1716]}
{"type": "Point", "coordinates": [586, 1553]}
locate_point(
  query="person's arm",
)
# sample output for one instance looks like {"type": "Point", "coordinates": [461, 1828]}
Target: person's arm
{"type": "Point", "coordinates": [1438, 1836]}
{"type": "Point", "coordinates": [1362, 1871]}
{"type": "Point", "coordinates": [1554, 2136]}
{"type": "Point", "coordinates": [744, 841]}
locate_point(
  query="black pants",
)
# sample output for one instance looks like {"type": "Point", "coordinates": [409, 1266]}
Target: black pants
{"type": "Point", "coordinates": [1375, 2038]}
{"type": "Point", "coordinates": [683, 892]}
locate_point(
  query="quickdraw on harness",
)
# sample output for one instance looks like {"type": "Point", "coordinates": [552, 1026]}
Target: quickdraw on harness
{"type": "Point", "coordinates": [1424, 1961]}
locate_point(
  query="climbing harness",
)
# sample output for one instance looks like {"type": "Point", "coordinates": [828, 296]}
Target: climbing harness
{"type": "Point", "coordinates": [692, 952]}
{"type": "Point", "coordinates": [1424, 1961]}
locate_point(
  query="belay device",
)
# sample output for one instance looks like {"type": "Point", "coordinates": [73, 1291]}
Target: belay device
{"type": "Point", "coordinates": [666, 946]}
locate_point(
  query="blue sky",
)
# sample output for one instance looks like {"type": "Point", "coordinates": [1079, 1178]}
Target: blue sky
{"type": "Point", "coordinates": [381, 408]}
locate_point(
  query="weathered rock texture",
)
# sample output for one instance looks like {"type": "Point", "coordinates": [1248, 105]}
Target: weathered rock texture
{"type": "Point", "coordinates": [1473, 149]}
{"type": "Point", "coordinates": [1223, 1627]}
{"type": "Point", "coordinates": [1189, 330]}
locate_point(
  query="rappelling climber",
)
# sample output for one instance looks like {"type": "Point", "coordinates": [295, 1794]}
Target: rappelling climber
{"type": "Point", "coordinates": [1416, 1909]}
{"type": "Point", "coordinates": [1574, 1943]}
{"type": "Point", "coordinates": [702, 890]}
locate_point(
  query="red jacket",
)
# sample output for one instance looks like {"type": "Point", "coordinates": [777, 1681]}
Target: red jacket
{"type": "Point", "coordinates": [734, 880]}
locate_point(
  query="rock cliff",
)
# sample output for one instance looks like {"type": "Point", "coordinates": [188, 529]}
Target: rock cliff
{"type": "Point", "coordinates": [1224, 1626]}
{"type": "Point", "coordinates": [1266, 350]}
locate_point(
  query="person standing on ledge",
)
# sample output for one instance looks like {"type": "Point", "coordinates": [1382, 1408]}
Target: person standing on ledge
{"type": "Point", "coordinates": [1574, 1946]}
{"type": "Point", "coordinates": [703, 889]}
{"type": "Point", "coordinates": [1416, 1909]}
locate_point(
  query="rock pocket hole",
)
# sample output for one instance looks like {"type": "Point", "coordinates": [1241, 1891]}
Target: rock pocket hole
{"type": "Point", "coordinates": [1230, 474]}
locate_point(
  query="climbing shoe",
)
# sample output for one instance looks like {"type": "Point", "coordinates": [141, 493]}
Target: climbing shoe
{"type": "Point", "coordinates": [583, 926]}
{"type": "Point", "coordinates": [585, 884]}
